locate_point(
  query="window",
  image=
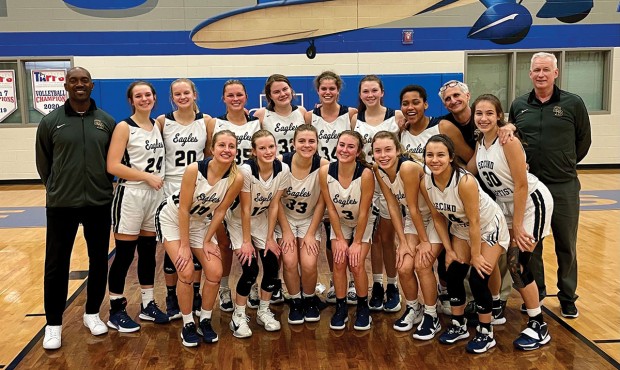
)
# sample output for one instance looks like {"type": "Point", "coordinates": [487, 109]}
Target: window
{"type": "Point", "coordinates": [18, 95]}
{"type": "Point", "coordinates": [583, 72]}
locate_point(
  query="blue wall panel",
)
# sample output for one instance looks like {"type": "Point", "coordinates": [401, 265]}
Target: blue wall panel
{"type": "Point", "coordinates": [111, 94]}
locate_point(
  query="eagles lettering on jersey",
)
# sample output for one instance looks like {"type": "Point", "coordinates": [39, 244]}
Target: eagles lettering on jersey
{"type": "Point", "coordinates": [301, 197]}
{"type": "Point", "coordinates": [184, 144]}
{"type": "Point", "coordinates": [262, 195]}
{"type": "Point", "coordinates": [283, 128]}
{"type": "Point", "coordinates": [243, 133]}
{"type": "Point", "coordinates": [415, 143]}
{"type": "Point", "coordinates": [328, 131]}
{"type": "Point", "coordinates": [206, 198]}
{"type": "Point", "coordinates": [144, 151]}
{"type": "Point", "coordinates": [346, 200]}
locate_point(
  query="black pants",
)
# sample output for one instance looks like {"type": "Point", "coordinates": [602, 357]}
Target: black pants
{"type": "Point", "coordinates": [62, 225]}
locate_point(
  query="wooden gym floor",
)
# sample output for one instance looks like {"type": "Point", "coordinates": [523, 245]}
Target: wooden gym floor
{"type": "Point", "coordinates": [591, 341]}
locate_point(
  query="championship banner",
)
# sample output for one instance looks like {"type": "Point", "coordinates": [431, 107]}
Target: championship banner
{"type": "Point", "coordinates": [8, 101]}
{"type": "Point", "coordinates": [48, 90]}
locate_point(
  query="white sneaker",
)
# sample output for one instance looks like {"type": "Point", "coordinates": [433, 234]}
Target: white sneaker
{"type": "Point", "coordinates": [351, 294]}
{"type": "Point", "coordinates": [267, 319]}
{"type": "Point", "coordinates": [411, 316]}
{"type": "Point", "coordinates": [226, 304]}
{"type": "Point", "coordinates": [94, 323]}
{"type": "Point", "coordinates": [239, 325]}
{"type": "Point", "coordinates": [330, 297]}
{"type": "Point", "coordinates": [52, 338]}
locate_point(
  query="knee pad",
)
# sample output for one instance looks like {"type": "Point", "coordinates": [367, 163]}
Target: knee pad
{"type": "Point", "coordinates": [518, 266]}
{"type": "Point", "coordinates": [270, 271]}
{"type": "Point", "coordinates": [247, 278]}
{"type": "Point", "coordinates": [168, 265]}
{"type": "Point", "coordinates": [455, 276]}
{"type": "Point", "coordinates": [441, 265]}
{"type": "Point", "coordinates": [146, 260]}
{"type": "Point", "coordinates": [480, 290]}
{"type": "Point", "coordinates": [197, 265]}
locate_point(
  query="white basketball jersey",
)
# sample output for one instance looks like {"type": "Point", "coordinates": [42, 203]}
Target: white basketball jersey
{"type": "Point", "coordinates": [185, 144]}
{"type": "Point", "coordinates": [145, 152]}
{"type": "Point", "coordinates": [206, 198]}
{"type": "Point", "coordinates": [346, 200]}
{"type": "Point", "coordinates": [369, 131]}
{"type": "Point", "coordinates": [302, 195]}
{"type": "Point", "coordinates": [415, 143]}
{"type": "Point", "coordinates": [494, 171]}
{"type": "Point", "coordinates": [398, 187]}
{"type": "Point", "coordinates": [283, 128]}
{"type": "Point", "coordinates": [262, 191]}
{"type": "Point", "coordinates": [448, 202]}
{"type": "Point", "coordinates": [244, 135]}
{"type": "Point", "coordinates": [329, 131]}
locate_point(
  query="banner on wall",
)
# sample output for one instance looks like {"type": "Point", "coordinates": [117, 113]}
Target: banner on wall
{"type": "Point", "coordinates": [8, 101]}
{"type": "Point", "coordinates": [48, 90]}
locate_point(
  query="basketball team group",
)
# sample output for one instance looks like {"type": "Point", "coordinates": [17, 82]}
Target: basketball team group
{"type": "Point", "coordinates": [452, 209]}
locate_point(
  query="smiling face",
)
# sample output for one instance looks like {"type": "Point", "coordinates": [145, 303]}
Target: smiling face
{"type": "Point", "coordinates": [328, 91]}
{"type": "Point", "coordinates": [79, 85]}
{"type": "Point", "coordinates": [371, 93]}
{"type": "Point", "coordinates": [543, 73]}
{"type": "Point", "coordinates": [437, 157]}
{"type": "Point", "coordinates": [224, 147]}
{"type": "Point", "coordinates": [385, 152]}
{"type": "Point", "coordinates": [413, 107]}
{"type": "Point", "coordinates": [486, 117]}
{"type": "Point", "coordinates": [234, 97]}
{"type": "Point", "coordinates": [306, 143]}
{"type": "Point", "coordinates": [183, 96]}
{"type": "Point", "coordinates": [348, 148]}
{"type": "Point", "coordinates": [281, 94]}
{"type": "Point", "coordinates": [264, 149]}
{"type": "Point", "coordinates": [142, 98]}
{"type": "Point", "coordinates": [455, 100]}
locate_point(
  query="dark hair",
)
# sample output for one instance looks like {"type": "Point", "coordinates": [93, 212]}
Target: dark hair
{"type": "Point", "coordinates": [401, 151]}
{"type": "Point", "coordinates": [445, 140]}
{"type": "Point", "coordinates": [361, 155]}
{"type": "Point", "coordinates": [501, 122]}
{"type": "Point", "coordinates": [133, 85]}
{"type": "Point", "coordinates": [328, 75]}
{"type": "Point", "coordinates": [233, 167]}
{"type": "Point", "coordinates": [276, 78]}
{"type": "Point", "coordinates": [409, 88]}
{"type": "Point", "coordinates": [361, 107]}
{"type": "Point", "coordinates": [192, 86]}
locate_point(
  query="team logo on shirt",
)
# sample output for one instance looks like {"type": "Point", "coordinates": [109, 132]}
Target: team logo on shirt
{"type": "Point", "coordinates": [415, 150]}
{"type": "Point", "coordinates": [184, 139]}
{"type": "Point", "coordinates": [557, 111]}
{"type": "Point", "coordinates": [213, 198]}
{"type": "Point", "coordinates": [297, 194]}
{"type": "Point", "coordinates": [153, 146]}
{"type": "Point", "coordinates": [280, 127]}
{"type": "Point", "coordinates": [245, 136]}
{"type": "Point", "coordinates": [323, 135]}
{"type": "Point", "coordinates": [262, 199]}
{"type": "Point", "coordinates": [99, 125]}
{"type": "Point", "coordinates": [343, 201]}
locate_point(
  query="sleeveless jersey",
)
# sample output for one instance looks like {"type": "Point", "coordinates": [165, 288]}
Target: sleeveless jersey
{"type": "Point", "coordinates": [283, 128]}
{"type": "Point", "coordinates": [262, 192]}
{"type": "Point", "coordinates": [144, 152]}
{"type": "Point", "coordinates": [368, 131]}
{"type": "Point", "coordinates": [206, 198]}
{"type": "Point", "coordinates": [185, 144]}
{"type": "Point", "coordinates": [448, 202]}
{"type": "Point", "coordinates": [302, 195]}
{"type": "Point", "coordinates": [415, 143]}
{"type": "Point", "coordinates": [398, 187]}
{"type": "Point", "coordinates": [244, 135]}
{"type": "Point", "coordinates": [494, 171]}
{"type": "Point", "coordinates": [329, 131]}
{"type": "Point", "coordinates": [346, 200]}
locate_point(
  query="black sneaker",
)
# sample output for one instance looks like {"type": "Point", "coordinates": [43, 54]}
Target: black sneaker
{"type": "Point", "coordinates": [340, 318]}
{"type": "Point", "coordinates": [497, 312]}
{"type": "Point", "coordinates": [392, 299]}
{"type": "Point", "coordinates": [206, 330]}
{"type": "Point", "coordinates": [172, 307]}
{"type": "Point", "coordinates": [532, 337]}
{"type": "Point", "coordinates": [296, 312]}
{"type": "Point", "coordinates": [312, 311]}
{"type": "Point", "coordinates": [376, 299]}
{"type": "Point", "coordinates": [569, 310]}
{"type": "Point", "coordinates": [362, 318]}
{"type": "Point", "coordinates": [428, 328]}
{"type": "Point", "coordinates": [189, 336]}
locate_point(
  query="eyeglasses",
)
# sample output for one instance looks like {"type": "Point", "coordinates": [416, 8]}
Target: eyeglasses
{"type": "Point", "coordinates": [452, 83]}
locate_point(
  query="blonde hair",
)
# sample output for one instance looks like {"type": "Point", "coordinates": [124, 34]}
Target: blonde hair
{"type": "Point", "coordinates": [233, 167]}
{"type": "Point", "coordinates": [192, 86]}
